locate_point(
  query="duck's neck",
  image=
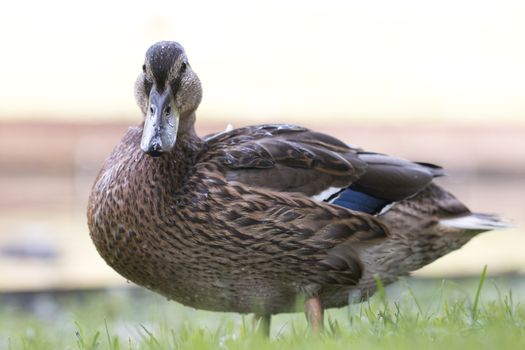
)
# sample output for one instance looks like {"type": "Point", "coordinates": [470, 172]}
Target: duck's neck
{"type": "Point", "coordinates": [174, 167]}
{"type": "Point", "coordinates": [188, 144]}
{"type": "Point", "coordinates": [187, 127]}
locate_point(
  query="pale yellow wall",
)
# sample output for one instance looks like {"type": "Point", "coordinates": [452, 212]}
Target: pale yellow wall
{"type": "Point", "coordinates": [279, 60]}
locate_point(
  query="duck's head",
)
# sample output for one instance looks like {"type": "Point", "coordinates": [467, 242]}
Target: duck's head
{"type": "Point", "coordinates": [168, 92]}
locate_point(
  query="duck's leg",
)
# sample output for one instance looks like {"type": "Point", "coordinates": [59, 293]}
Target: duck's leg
{"type": "Point", "coordinates": [262, 324]}
{"type": "Point", "coordinates": [314, 314]}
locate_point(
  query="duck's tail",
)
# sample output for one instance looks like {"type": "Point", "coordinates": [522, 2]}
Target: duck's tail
{"type": "Point", "coordinates": [431, 224]}
{"type": "Point", "coordinates": [476, 222]}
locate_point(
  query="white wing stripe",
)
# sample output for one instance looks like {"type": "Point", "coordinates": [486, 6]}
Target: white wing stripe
{"type": "Point", "coordinates": [324, 195]}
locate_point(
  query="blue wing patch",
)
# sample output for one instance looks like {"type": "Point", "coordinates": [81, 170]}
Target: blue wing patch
{"type": "Point", "coordinates": [358, 201]}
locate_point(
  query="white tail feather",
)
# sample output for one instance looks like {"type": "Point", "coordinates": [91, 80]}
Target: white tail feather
{"type": "Point", "coordinates": [476, 222]}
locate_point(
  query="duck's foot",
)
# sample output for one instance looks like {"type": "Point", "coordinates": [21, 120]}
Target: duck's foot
{"type": "Point", "coordinates": [262, 323]}
{"type": "Point", "coordinates": [314, 314]}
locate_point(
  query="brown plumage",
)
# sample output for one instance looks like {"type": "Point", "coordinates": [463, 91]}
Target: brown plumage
{"type": "Point", "coordinates": [251, 219]}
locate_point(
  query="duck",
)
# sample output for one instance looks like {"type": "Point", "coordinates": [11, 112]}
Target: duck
{"type": "Point", "coordinates": [255, 219]}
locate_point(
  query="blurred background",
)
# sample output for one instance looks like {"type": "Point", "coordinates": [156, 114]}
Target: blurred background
{"type": "Point", "coordinates": [441, 82]}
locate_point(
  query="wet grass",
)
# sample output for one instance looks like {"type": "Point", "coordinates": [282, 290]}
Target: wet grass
{"type": "Point", "coordinates": [482, 313]}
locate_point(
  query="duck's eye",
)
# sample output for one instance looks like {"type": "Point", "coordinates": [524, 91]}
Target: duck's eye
{"type": "Point", "coordinates": [183, 66]}
{"type": "Point", "coordinates": [168, 110]}
{"type": "Point", "coordinates": [144, 68]}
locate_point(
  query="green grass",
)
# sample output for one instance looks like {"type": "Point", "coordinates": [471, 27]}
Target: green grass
{"type": "Point", "coordinates": [415, 314]}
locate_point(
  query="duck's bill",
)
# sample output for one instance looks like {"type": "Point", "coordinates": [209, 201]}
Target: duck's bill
{"type": "Point", "coordinates": [161, 124]}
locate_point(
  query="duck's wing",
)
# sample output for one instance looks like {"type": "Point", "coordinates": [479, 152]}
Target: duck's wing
{"type": "Point", "coordinates": [315, 240]}
{"type": "Point", "coordinates": [290, 158]}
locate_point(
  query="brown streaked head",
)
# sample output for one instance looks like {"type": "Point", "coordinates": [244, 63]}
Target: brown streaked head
{"type": "Point", "coordinates": [167, 91]}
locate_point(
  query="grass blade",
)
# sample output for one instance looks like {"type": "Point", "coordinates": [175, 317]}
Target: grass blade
{"type": "Point", "coordinates": [478, 293]}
